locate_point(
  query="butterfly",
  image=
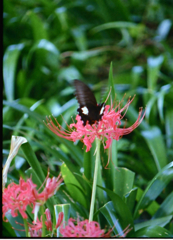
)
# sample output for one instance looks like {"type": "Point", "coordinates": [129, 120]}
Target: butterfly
{"type": "Point", "coordinates": [88, 109]}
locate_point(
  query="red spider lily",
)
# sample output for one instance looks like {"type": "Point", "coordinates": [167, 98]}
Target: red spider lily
{"type": "Point", "coordinates": [88, 228]}
{"type": "Point", "coordinates": [82, 229]}
{"type": "Point", "coordinates": [48, 222]}
{"type": "Point", "coordinates": [52, 185]}
{"type": "Point", "coordinates": [35, 229]}
{"type": "Point", "coordinates": [34, 233]}
{"type": "Point", "coordinates": [107, 127]}
{"type": "Point", "coordinates": [16, 197]}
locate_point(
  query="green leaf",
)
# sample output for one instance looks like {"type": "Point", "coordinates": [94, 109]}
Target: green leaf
{"type": "Point", "coordinates": [150, 104]}
{"type": "Point", "coordinates": [113, 25]}
{"type": "Point", "coordinates": [33, 161]}
{"type": "Point", "coordinates": [73, 186]}
{"type": "Point", "coordinates": [9, 69]}
{"type": "Point", "coordinates": [169, 127]}
{"type": "Point", "coordinates": [18, 224]}
{"type": "Point", "coordinates": [154, 222]}
{"type": "Point", "coordinates": [130, 198]}
{"type": "Point", "coordinates": [109, 170]}
{"type": "Point", "coordinates": [154, 188]}
{"type": "Point", "coordinates": [38, 27]}
{"type": "Point", "coordinates": [7, 230]}
{"type": "Point", "coordinates": [160, 101]}
{"type": "Point", "coordinates": [154, 64]}
{"type": "Point", "coordinates": [79, 38]}
{"type": "Point", "coordinates": [156, 144]}
{"type": "Point", "coordinates": [111, 84]}
{"type": "Point", "coordinates": [114, 10]}
{"type": "Point", "coordinates": [124, 179]}
{"type": "Point", "coordinates": [136, 73]}
{"type": "Point", "coordinates": [48, 46]}
{"type": "Point", "coordinates": [65, 208]}
{"type": "Point", "coordinates": [166, 208]}
{"type": "Point", "coordinates": [22, 108]}
{"type": "Point", "coordinates": [154, 232]}
{"type": "Point", "coordinates": [122, 211]}
{"type": "Point", "coordinates": [109, 213]}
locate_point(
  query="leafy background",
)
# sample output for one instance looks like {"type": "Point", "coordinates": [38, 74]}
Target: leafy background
{"type": "Point", "coordinates": [47, 44]}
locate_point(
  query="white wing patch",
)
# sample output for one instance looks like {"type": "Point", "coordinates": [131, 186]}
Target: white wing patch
{"type": "Point", "coordinates": [102, 110]}
{"type": "Point", "coordinates": [85, 110]}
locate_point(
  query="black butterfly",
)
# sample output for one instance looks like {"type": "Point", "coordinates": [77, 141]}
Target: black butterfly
{"type": "Point", "coordinates": [88, 109]}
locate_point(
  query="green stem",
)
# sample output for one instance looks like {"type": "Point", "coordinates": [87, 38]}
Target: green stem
{"type": "Point", "coordinates": [26, 227]}
{"type": "Point", "coordinates": [95, 179]}
{"type": "Point", "coordinates": [43, 221]}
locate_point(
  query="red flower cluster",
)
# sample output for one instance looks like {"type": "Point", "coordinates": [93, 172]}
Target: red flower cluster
{"type": "Point", "coordinates": [16, 197]}
{"type": "Point", "coordinates": [107, 127]}
{"type": "Point", "coordinates": [82, 229]}
{"type": "Point", "coordinates": [35, 229]}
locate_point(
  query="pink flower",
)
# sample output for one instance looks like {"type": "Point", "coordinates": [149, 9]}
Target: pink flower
{"type": "Point", "coordinates": [82, 229]}
{"type": "Point", "coordinates": [52, 185]}
{"type": "Point", "coordinates": [16, 198]}
{"type": "Point", "coordinates": [60, 218]}
{"type": "Point", "coordinates": [48, 222]}
{"type": "Point", "coordinates": [35, 233]}
{"type": "Point", "coordinates": [107, 127]}
{"type": "Point", "coordinates": [35, 229]}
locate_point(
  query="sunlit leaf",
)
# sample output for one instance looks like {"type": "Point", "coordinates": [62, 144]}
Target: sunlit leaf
{"type": "Point", "coordinates": [156, 144]}
{"type": "Point", "coordinates": [9, 69]}
{"type": "Point", "coordinates": [73, 185]}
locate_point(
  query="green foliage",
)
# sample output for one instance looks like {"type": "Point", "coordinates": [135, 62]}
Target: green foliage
{"type": "Point", "coordinates": [126, 45]}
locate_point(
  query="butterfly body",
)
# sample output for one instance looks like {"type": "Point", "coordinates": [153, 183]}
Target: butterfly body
{"type": "Point", "coordinates": [88, 109]}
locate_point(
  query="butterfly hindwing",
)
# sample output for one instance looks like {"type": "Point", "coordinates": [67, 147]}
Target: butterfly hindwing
{"type": "Point", "coordinates": [88, 109]}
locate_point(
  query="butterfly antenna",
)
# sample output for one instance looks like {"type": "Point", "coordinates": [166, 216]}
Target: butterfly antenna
{"type": "Point", "coordinates": [108, 94]}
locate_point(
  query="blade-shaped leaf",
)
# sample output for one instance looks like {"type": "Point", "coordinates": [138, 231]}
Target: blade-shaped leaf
{"type": "Point", "coordinates": [124, 179]}
{"type": "Point", "coordinates": [154, 232]}
{"type": "Point", "coordinates": [156, 144]}
{"type": "Point", "coordinates": [73, 185]}
{"type": "Point", "coordinates": [130, 198]}
{"type": "Point", "coordinates": [65, 208]}
{"type": "Point", "coordinates": [33, 161]}
{"type": "Point", "coordinates": [154, 188]}
{"type": "Point", "coordinates": [154, 222]}
{"type": "Point", "coordinates": [9, 68]}
{"type": "Point", "coordinates": [110, 214]}
{"type": "Point", "coordinates": [122, 211]}
{"type": "Point", "coordinates": [166, 208]}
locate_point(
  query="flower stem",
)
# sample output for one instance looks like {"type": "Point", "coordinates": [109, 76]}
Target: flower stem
{"type": "Point", "coordinates": [26, 227]}
{"type": "Point", "coordinates": [43, 221]}
{"type": "Point", "coordinates": [95, 179]}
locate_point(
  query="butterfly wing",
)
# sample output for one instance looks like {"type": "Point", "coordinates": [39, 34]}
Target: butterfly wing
{"type": "Point", "coordinates": [84, 94]}
{"type": "Point", "coordinates": [89, 110]}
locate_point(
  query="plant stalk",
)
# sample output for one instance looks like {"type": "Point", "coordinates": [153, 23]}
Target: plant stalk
{"type": "Point", "coordinates": [95, 180]}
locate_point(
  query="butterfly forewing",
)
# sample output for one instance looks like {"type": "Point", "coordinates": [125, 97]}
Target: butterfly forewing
{"type": "Point", "coordinates": [88, 110]}
{"type": "Point", "coordinates": [84, 94]}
